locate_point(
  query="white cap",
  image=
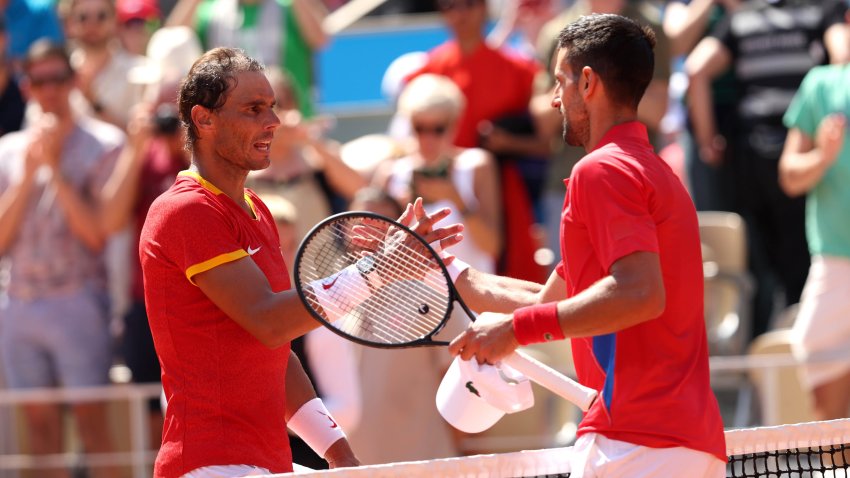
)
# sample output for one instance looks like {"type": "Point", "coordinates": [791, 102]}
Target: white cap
{"type": "Point", "coordinates": [473, 397]}
{"type": "Point", "coordinates": [171, 52]}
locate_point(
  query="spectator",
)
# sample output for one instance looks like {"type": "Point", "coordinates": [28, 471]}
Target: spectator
{"type": "Point", "coordinates": [55, 317]}
{"type": "Point", "coordinates": [494, 84]}
{"type": "Point", "coordinates": [282, 33]}
{"type": "Point", "coordinates": [497, 88]}
{"type": "Point", "coordinates": [686, 22]}
{"type": "Point", "coordinates": [771, 58]}
{"type": "Point", "coordinates": [444, 175]}
{"type": "Point", "coordinates": [390, 432]}
{"type": "Point", "coordinates": [306, 168]}
{"type": "Point", "coordinates": [137, 21]}
{"type": "Point", "coordinates": [816, 163]}
{"type": "Point", "coordinates": [28, 21]}
{"type": "Point", "coordinates": [12, 103]}
{"type": "Point", "coordinates": [100, 61]}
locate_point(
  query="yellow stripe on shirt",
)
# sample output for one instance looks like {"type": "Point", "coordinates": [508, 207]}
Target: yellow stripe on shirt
{"type": "Point", "coordinates": [214, 262]}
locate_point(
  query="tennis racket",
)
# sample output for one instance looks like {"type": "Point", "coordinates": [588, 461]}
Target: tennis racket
{"type": "Point", "coordinates": [376, 282]}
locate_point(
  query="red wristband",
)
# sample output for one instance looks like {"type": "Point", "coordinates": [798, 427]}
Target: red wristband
{"type": "Point", "coordinates": [537, 323]}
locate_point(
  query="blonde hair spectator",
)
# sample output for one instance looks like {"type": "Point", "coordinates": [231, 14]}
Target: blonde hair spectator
{"type": "Point", "coordinates": [430, 93]}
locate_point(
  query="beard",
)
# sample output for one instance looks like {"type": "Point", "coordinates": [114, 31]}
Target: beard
{"type": "Point", "coordinates": [576, 127]}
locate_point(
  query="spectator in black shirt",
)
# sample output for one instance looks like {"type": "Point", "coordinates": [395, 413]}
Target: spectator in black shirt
{"type": "Point", "coordinates": [772, 45]}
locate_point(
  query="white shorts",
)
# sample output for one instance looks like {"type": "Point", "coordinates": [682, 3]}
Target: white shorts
{"type": "Point", "coordinates": [595, 456]}
{"type": "Point", "coordinates": [226, 471]}
{"type": "Point", "coordinates": [821, 331]}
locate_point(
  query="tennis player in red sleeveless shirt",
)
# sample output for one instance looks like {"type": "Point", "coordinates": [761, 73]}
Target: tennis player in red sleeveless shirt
{"type": "Point", "coordinates": [629, 288]}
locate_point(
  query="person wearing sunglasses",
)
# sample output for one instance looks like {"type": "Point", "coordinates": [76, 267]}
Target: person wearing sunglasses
{"type": "Point", "coordinates": [445, 175]}
{"type": "Point", "coordinates": [53, 311]}
{"type": "Point", "coordinates": [100, 60]}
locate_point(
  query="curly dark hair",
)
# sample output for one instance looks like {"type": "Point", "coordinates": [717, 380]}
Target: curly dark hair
{"type": "Point", "coordinates": [210, 78]}
{"type": "Point", "coordinates": [617, 48]}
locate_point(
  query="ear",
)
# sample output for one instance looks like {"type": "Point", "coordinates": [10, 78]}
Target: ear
{"type": "Point", "coordinates": [591, 82]}
{"type": "Point", "coordinates": [202, 118]}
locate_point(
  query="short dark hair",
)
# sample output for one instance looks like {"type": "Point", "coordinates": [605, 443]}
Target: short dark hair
{"type": "Point", "coordinates": [617, 48]}
{"type": "Point", "coordinates": [44, 49]}
{"type": "Point", "coordinates": [208, 81]}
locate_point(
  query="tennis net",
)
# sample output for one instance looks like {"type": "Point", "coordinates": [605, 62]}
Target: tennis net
{"type": "Point", "coordinates": [806, 450]}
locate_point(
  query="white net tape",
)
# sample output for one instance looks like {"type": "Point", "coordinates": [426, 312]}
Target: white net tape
{"type": "Point", "coordinates": [553, 462]}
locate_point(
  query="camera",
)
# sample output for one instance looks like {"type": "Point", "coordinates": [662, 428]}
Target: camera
{"type": "Point", "coordinates": [166, 120]}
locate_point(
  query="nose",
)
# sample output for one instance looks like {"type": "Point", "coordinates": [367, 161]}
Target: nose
{"type": "Point", "coordinates": [273, 121]}
{"type": "Point", "coordinates": [556, 102]}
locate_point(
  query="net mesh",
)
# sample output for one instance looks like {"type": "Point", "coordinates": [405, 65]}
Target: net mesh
{"type": "Point", "coordinates": [412, 304]}
{"type": "Point", "coordinates": [807, 450]}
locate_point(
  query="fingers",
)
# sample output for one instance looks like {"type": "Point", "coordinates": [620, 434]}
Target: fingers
{"type": "Point", "coordinates": [459, 342]}
{"type": "Point", "coordinates": [407, 216]}
{"type": "Point", "coordinates": [449, 235]}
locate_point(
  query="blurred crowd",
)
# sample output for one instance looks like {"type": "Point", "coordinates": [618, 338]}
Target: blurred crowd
{"type": "Point", "coordinates": [91, 136]}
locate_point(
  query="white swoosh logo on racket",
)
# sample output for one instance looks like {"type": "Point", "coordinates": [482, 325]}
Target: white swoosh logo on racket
{"type": "Point", "coordinates": [251, 252]}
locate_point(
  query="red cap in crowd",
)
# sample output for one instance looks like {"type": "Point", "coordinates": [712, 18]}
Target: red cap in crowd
{"type": "Point", "coordinates": [137, 9]}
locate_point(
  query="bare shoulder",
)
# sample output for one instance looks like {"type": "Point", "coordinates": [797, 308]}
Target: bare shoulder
{"type": "Point", "coordinates": [474, 158]}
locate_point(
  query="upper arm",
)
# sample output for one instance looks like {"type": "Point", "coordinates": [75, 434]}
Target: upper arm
{"type": "Point", "coordinates": [837, 42]}
{"type": "Point", "coordinates": [639, 275]}
{"type": "Point", "coordinates": [709, 59]}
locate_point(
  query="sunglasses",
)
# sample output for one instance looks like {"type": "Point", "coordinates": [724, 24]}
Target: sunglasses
{"type": "Point", "coordinates": [56, 79]}
{"type": "Point", "coordinates": [436, 130]}
{"type": "Point", "coordinates": [446, 5]}
{"type": "Point", "coordinates": [94, 17]}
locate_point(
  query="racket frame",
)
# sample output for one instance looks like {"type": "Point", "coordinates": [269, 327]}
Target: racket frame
{"type": "Point", "coordinates": [424, 341]}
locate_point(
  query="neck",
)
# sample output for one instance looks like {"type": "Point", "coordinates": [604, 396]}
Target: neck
{"type": "Point", "coordinates": [600, 126]}
{"type": "Point", "coordinates": [222, 174]}
{"type": "Point", "coordinates": [468, 43]}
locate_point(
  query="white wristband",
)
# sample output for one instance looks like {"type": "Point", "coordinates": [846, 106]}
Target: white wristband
{"type": "Point", "coordinates": [341, 292]}
{"type": "Point", "coordinates": [314, 424]}
{"type": "Point", "coordinates": [456, 267]}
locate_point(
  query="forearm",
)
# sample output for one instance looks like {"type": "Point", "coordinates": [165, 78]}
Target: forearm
{"type": "Point", "coordinates": [183, 14]}
{"type": "Point", "coordinates": [606, 307]}
{"type": "Point", "coordinates": [684, 24]}
{"type": "Point", "coordinates": [280, 318]}
{"type": "Point", "coordinates": [12, 208]}
{"type": "Point", "coordinates": [800, 172]}
{"type": "Point", "coordinates": [489, 292]}
{"type": "Point", "coordinates": [82, 218]}
{"type": "Point", "coordinates": [321, 433]}
{"type": "Point", "coordinates": [653, 106]}
{"type": "Point", "coordinates": [701, 111]}
{"type": "Point", "coordinates": [342, 178]}
{"type": "Point", "coordinates": [299, 389]}
{"type": "Point", "coordinates": [310, 14]}
{"type": "Point", "coordinates": [121, 190]}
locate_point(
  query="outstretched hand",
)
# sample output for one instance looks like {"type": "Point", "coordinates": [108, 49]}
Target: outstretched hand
{"type": "Point", "coordinates": [416, 218]}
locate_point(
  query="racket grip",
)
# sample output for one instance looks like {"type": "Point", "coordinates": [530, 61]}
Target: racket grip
{"type": "Point", "coordinates": [551, 379]}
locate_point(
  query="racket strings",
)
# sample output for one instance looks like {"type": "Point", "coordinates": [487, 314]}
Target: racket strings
{"type": "Point", "coordinates": [415, 299]}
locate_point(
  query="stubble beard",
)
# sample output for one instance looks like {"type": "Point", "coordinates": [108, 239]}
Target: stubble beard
{"type": "Point", "coordinates": [575, 131]}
